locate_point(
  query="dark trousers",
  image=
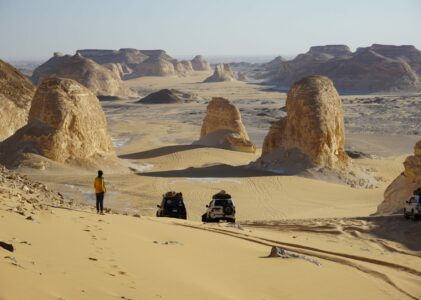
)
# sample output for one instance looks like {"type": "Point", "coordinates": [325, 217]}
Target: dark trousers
{"type": "Point", "coordinates": [99, 202]}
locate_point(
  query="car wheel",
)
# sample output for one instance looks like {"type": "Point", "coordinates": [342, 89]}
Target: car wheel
{"type": "Point", "coordinates": [228, 210]}
{"type": "Point", "coordinates": [413, 216]}
{"type": "Point", "coordinates": [204, 218]}
{"type": "Point", "coordinates": [406, 216]}
{"type": "Point", "coordinates": [231, 220]}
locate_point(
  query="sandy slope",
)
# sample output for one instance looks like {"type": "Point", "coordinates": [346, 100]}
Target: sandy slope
{"type": "Point", "coordinates": [69, 254]}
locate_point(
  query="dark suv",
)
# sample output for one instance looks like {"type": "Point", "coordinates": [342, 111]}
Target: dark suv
{"type": "Point", "coordinates": [172, 206]}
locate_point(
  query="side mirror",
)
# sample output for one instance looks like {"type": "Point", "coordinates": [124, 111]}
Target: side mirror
{"type": "Point", "coordinates": [159, 206]}
{"type": "Point", "coordinates": [207, 205]}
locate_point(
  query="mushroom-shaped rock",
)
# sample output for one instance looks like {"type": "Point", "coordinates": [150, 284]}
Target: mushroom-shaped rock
{"type": "Point", "coordinates": [222, 127]}
{"type": "Point", "coordinates": [16, 93]}
{"type": "Point", "coordinates": [223, 72]}
{"type": "Point", "coordinates": [312, 133]}
{"type": "Point", "coordinates": [66, 124]}
{"type": "Point", "coordinates": [404, 185]}
{"type": "Point", "coordinates": [200, 64]}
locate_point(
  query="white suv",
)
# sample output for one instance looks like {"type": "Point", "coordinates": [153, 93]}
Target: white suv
{"type": "Point", "coordinates": [220, 209]}
{"type": "Point", "coordinates": [412, 208]}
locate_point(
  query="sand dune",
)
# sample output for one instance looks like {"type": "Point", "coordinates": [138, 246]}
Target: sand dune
{"type": "Point", "coordinates": [131, 258]}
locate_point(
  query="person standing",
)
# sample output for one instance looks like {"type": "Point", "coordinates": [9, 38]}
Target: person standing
{"type": "Point", "coordinates": [99, 185]}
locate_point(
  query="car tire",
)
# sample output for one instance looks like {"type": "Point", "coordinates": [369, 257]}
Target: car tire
{"type": "Point", "coordinates": [231, 220]}
{"type": "Point", "coordinates": [204, 218]}
{"type": "Point", "coordinates": [405, 215]}
{"type": "Point", "coordinates": [413, 216]}
{"type": "Point", "coordinates": [228, 210]}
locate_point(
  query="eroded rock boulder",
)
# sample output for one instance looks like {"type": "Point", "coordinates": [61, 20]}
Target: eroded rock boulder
{"type": "Point", "coordinates": [312, 133]}
{"type": "Point", "coordinates": [223, 72]}
{"type": "Point", "coordinates": [404, 185]}
{"type": "Point", "coordinates": [66, 124]}
{"type": "Point", "coordinates": [16, 93]}
{"type": "Point", "coordinates": [223, 128]}
{"type": "Point", "coordinates": [200, 64]}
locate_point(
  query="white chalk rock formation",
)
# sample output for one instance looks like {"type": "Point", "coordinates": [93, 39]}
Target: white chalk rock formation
{"type": "Point", "coordinates": [404, 185]}
{"type": "Point", "coordinates": [66, 124]}
{"type": "Point", "coordinates": [222, 127]}
{"type": "Point", "coordinates": [16, 93]}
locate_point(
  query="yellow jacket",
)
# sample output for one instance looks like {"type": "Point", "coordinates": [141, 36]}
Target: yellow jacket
{"type": "Point", "coordinates": [99, 185]}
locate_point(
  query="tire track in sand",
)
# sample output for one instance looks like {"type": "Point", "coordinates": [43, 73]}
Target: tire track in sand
{"type": "Point", "coordinates": [336, 257]}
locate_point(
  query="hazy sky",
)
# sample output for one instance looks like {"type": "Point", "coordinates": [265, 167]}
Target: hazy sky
{"type": "Point", "coordinates": [37, 28]}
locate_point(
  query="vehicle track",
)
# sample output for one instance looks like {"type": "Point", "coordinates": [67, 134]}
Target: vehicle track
{"type": "Point", "coordinates": [336, 257]}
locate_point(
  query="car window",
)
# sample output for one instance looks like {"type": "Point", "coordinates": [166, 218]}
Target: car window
{"type": "Point", "coordinates": [223, 202]}
{"type": "Point", "coordinates": [174, 202]}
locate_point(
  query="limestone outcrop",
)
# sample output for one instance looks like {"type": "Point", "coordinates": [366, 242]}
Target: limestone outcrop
{"type": "Point", "coordinates": [312, 133]}
{"type": "Point", "coordinates": [378, 68]}
{"type": "Point", "coordinates": [200, 64]}
{"type": "Point", "coordinates": [16, 93]}
{"type": "Point", "coordinates": [187, 65]}
{"type": "Point", "coordinates": [403, 186]}
{"type": "Point", "coordinates": [66, 124]}
{"type": "Point", "coordinates": [222, 73]}
{"type": "Point", "coordinates": [223, 128]}
{"type": "Point", "coordinates": [99, 79]}
{"type": "Point", "coordinates": [137, 63]}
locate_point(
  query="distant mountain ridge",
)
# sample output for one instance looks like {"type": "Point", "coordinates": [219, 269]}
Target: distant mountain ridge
{"type": "Point", "coordinates": [378, 68]}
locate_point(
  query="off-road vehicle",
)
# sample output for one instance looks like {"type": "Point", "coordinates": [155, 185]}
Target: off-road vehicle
{"type": "Point", "coordinates": [220, 208]}
{"type": "Point", "coordinates": [172, 206]}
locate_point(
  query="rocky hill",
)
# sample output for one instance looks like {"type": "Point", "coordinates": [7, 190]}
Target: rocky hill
{"type": "Point", "coordinates": [378, 68]}
{"type": "Point", "coordinates": [66, 124]}
{"type": "Point", "coordinates": [98, 79]}
{"type": "Point", "coordinates": [137, 63]}
{"type": "Point", "coordinates": [16, 93]}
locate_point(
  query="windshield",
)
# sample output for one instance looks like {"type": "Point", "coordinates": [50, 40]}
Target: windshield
{"type": "Point", "coordinates": [174, 202]}
{"type": "Point", "coordinates": [221, 202]}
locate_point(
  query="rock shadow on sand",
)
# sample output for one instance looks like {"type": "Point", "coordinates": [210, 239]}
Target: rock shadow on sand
{"type": "Point", "coordinates": [160, 151]}
{"type": "Point", "coordinates": [214, 171]}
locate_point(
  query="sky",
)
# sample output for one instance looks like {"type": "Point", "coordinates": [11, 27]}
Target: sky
{"type": "Point", "coordinates": [34, 29]}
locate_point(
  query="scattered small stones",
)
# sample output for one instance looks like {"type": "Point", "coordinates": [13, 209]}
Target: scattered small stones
{"type": "Point", "coordinates": [7, 246]}
{"type": "Point", "coordinates": [30, 218]}
{"type": "Point", "coordinates": [136, 215]}
{"type": "Point", "coordinates": [282, 253]}
{"type": "Point", "coordinates": [93, 258]}
{"type": "Point", "coordinates": [171, 243]}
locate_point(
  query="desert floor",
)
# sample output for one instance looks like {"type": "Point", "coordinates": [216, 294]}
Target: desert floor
{"type": "Point", "coordinates": [75, 254]}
